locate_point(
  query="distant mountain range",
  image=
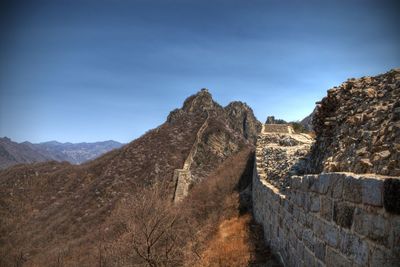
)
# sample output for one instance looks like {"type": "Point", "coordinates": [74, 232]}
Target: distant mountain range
{"type": "Point", "coordinates": [12, 153]}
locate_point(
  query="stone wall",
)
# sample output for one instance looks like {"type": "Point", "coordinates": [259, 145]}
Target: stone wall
{"type": "Point", "coordinates": [277, 128]}
{"type": "Point", "coordinates": [358, 127]}
{"type": "Point", "coordinates": [331, 219]}
{"type": "Point", "coordinates": [282, 155]}
{"type": "Point", "coordinates": [334, 217]}
{"type": "Point", "coordinates": [183, 177]}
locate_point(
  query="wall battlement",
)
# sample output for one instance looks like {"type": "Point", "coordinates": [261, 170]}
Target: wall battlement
{"type": "Point", "coordinates": [329, 219]}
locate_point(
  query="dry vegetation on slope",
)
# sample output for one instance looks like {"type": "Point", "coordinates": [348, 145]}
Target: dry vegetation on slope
{"type": "Point", "coordinates": [211, 227]}
{"type": "Point", "coordinates": [50, 207]}
{"type": "Point", "coordinates": [57, 214]}
{"type": "Point", "coordinates": [145, 229]}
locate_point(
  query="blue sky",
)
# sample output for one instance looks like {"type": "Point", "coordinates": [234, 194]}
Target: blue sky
{"type": "Point", "coordinates": [97, 70]}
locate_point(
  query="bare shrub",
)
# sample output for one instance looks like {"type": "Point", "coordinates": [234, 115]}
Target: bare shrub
{"type": "Point", "coordinates": [154, 230]}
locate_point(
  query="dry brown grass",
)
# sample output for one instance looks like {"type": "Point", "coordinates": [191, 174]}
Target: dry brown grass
{"type": "Point", "coordinates": [52, 210]}
{"type": "Point", "coordinates": [62, 215]}
{"type": "Point", "coordinates": [230, 246]}
{"type": "Point", "coordinates": [218, 209]}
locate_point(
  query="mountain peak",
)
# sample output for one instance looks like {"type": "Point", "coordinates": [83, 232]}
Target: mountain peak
{"type": "Point", "coordinates": [199, 102]}
{"type": "Point", "coordinates": [238, 115]}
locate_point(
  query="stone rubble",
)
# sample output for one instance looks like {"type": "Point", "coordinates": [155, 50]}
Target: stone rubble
{"type": "Point", "coordinates": [358, 127]}
{"type": "Point", "coordinates": [284, 154]}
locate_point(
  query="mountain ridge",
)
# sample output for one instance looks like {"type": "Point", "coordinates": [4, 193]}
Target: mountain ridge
{"type": "Point", "coordinates": [58, 201]}
{"type": "Point", "coordinates": [13, 153]}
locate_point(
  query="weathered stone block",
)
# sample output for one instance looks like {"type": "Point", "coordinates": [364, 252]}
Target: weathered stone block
{"type": "Point", "coordinates": [315, 204]}
{"type": "Point", "coordinates": [391, 195]}
{"type": "Point", "coordinates": [305, 183]}
{"type": "Point", "coordinates": [309, 239]}
{"type": "Point", "coordinates": [309, 221]}
{"type": "Point", "coordinates": [343, 214]}
{"type": "Point", "coordinates": [296, 213]}
{"type": "Point", "coordinates": [395, 233]}
{"type": "Point", "coordinates": [292, 256]}
{"type": "Point", "coordinates": [319, 250]}
{"type": "Point", "coordinates": [373, 226]}
{"type": "Point", "coordinates": [326, 211]}
{"type": "Point", "coordinates": [313, 183]}
{"type": "Point", "coordinates": [320, 264]}
{"type": "Point", "coordinates": [309, 259]}
{"type": "Point", "coordinates": [319, 228]}
{"type": "Point", "coordinates": [293, 238]}
{"type": "Point", "coordinates": [300, 199]}
{"type": "Point", "coordinates": [300, 250]}
{"type": "Point", "coordinates": [354, 247]}
{"type": "Point", "coordinates": [352, 189]}
{"type": "Point", "coordinates": [295, 182]}
{"type": "Point", "coordinates": [324, 183]}
{"type": "Point", "coordinates": [332, 236]}
{"type": "Point", "coordinates": [337, 180]}
{"type": "Point", "coordinates": [360, 251]}
{"type": "Point", "coordinates": [334, 258]}
{"type": "Point", "coordinates": [372, 191]}
{"type": "Point", "coordinates": [298, 230]}
{"type": "Point", "coordinates": [383, 257]}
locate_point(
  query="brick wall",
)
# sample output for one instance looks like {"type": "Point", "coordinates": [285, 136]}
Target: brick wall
{"type": "Point", "coordinates": [331, 219]}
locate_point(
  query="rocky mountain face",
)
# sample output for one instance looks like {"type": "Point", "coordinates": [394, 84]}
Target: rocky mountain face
{"type": "Point", "coordinates": [241, 118]}
{"type": "Point", "coordinates": [228, 130]}
{"type": "Point", "coordinates": [12, 153]}
{"type": "Point", "coordinates": [358, 127]}
{"type": "Point", "coordinates": [44, 203]}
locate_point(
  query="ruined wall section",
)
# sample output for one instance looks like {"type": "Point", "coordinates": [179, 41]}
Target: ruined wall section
{"type": "Point", "coordinates": [327, 219]}
{"type": "Point", "coordinates": [183, 177]}
{"type": "Point", "coordinates": [358, 127]}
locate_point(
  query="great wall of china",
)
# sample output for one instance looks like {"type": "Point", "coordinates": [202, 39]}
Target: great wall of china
{"type": "Point", "coordinates": [183, 177]}
{"type": "Point", "coordinates": [325, 219]}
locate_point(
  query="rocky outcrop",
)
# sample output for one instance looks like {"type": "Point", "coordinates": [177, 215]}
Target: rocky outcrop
{"type": "Point", "coordinates": [238, 116]}
{"type": "Point", "coordinates": [227, 130]}
{"type": "Point", "coordinates": [358, 127]}
{"type": "Point", "coordinates": [198, 103]}
{"type": "Point", "coordinates": [241, 118]}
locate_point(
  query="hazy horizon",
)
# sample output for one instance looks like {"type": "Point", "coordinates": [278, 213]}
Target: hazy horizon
{"type": "Point", "coordinates": [88, 71]}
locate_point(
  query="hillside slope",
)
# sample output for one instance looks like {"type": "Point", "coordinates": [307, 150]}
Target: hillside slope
{"type": "Point", "coordinates": [51, 208]}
